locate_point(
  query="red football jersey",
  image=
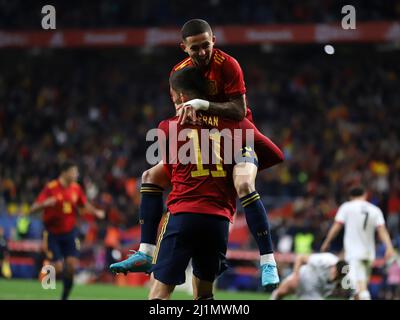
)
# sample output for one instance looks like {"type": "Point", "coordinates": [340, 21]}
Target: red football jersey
{"type": "Point", "coordinates": [199, 187]}
{"type": "Point", "coordinates": [224, 76]}
{"type": "Point", "coordinates": [61, 218]}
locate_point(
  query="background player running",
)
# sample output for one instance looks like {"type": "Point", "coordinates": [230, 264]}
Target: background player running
{"type": "Point", "coordinates": [60, 201]}
{"type": "Point", "coordinates": [360, 219]}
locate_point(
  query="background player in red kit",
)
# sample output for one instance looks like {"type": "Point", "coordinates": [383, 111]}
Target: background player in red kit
{"type": "Point", "coordinates": [203, 196]}
{"type": "Point", "coordinates": [226, 97]}
{"type": "Point", "coordinates": [60, 201]}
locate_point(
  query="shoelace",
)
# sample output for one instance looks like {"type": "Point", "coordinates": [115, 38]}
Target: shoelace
{"type": "Point", "coordinates": [269, 266]}
{"type": "Point", "coordinates": [131, 254]}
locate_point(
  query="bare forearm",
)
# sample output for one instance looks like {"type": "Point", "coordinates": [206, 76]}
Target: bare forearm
{"type": "Point", "coordinates": [89, 207]}
{"type": "Point", "coordinates": [300, 260]}
{"type": "Point", "coordinates": [99, 213]}
{"type": "Point", "coordinates": [333, 232]}
{"type": "Point", "coordinates": [235, 109]}
{"type": "Point", "coordinates": [36, 207]}
{"type": "Point", "coordinates": [384, 237]}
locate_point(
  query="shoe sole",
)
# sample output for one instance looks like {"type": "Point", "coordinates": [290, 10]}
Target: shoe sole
{"type": "Point", "coordinates": [270, 287]}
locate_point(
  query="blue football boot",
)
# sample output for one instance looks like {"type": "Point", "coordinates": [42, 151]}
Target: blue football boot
{"type": "Point", "coordinates": [137, 262]}
{"type": "Point", "coordinates": [269, 276]}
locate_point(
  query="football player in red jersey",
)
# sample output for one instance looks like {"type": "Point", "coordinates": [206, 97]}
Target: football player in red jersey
{"type": "Point", "coordinates": [225, 97]}
{"type": "Point", "coordinates": [202, 201]}
{"type": "Point", "coordinates": [60, 201]}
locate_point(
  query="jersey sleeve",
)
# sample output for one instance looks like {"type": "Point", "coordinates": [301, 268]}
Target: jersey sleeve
{"type": "Point", "coordinates": [341, 215]}
{"type": "Point", "coordinates": [82, 197]}
{"type": "Point", "coordinates": [233, 78]}
{"type": "Point", "coordinates": [380, 220]}
{"type": "Point", "coordinates": [322, 259]}
{"type": "Point", "coordinates": [43, 195]}
{"type": "Point", "coordinates": [267, 151]}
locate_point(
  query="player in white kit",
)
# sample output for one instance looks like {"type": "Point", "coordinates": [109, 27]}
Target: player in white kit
{"type": "Point", "coordinates": [314, 277]}
{"type": "Point", "coordinates": [360, 220]}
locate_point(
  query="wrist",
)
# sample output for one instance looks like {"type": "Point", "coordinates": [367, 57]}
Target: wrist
{"type": "Point", "coordinates": [205, 105]}
{"type": "Point", "coordinates": [199, 104]}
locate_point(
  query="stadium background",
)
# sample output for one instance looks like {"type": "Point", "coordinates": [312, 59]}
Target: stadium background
{"type": "Point", "coordinates": [336, 117]}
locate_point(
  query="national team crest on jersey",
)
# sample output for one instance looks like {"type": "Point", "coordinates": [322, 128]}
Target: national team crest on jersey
{"type": "Point", "coordinates": [212, 88]}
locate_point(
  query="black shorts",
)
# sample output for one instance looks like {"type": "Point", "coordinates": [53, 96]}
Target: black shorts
{"type": "Point", "coordinates": [60, 246]}
{"type": "Point", "coordinates": [184, 236]}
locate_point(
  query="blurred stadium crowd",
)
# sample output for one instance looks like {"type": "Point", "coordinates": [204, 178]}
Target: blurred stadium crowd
{"type": "Point", "coordinates": [334, 116]}
{"type": "Point", "coordinates": [125, 13]}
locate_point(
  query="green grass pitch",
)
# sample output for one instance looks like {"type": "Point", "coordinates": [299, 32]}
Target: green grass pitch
{"type": "Point", "coordinates": [21, 289]}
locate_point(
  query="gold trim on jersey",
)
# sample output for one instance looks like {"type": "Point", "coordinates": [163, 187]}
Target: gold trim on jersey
{"type": "Point", "coordinates": [161, 235]}
{"type": "Point", "coordinates": [52, 184]}
{"type": "Point", "coordinates": [219, 58]}
{"type": "Point", "coordinates": [183, 64]}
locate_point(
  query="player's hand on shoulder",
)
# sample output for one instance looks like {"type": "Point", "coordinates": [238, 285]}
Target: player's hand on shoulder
{"type": "Point", "coordinates": [187, 114]}
{"type": "Point", "coordinates": [198, 104]}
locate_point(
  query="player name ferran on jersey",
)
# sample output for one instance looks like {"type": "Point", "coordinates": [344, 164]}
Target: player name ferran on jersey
{"type": "Point", "coordinates": [191, 145]}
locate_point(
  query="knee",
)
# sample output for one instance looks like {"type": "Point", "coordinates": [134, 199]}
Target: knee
{"type": "Point", "coordinates": [58, 266]}
{"type": "Point", "coordinates": [157, 176]}
{"type": "Point", "coordinates": [157, 294]}
{"type": "Point", "coordinates": [70, 267]}
{"type": "Point", "coordinates": [244, 187]}
{"type": "Point", "coordinates": [147, 176]}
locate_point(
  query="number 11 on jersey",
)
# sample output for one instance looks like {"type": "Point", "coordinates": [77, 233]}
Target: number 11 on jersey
{"type": "Point", "coordinates": [216, 148]}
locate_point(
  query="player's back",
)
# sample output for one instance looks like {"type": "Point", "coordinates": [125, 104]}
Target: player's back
{"type": "Point", "coordinates": [199, 186]}
{"type": "Point", "coordinates": [360, 219]}
{"type": "Point", "coordinates": [315, 275]}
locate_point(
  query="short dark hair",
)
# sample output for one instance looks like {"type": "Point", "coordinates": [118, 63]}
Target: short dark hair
{"type": "Point", "coordinates": [187, 80]}
{"type": "Point", "coordinates": [194, 27]}
{"type": "Point", "coordinates": [357, 191]}
{"type": "Point", "coordinates": [339, 269]}
{"type": "Point", "coordinates": [66, 165]}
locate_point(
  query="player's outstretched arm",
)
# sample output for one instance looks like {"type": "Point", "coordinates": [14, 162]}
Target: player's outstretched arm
{"type": "Point", "coordinates": [92, 209]}
{"type": "Point", "coordinates": [385, 238]}
{"type": "Point", "coordinates": [301, 259]}
{"type": "Point", "coordinates": [39, 206]}
{"type": "Point", "coordinates": [333, 232]}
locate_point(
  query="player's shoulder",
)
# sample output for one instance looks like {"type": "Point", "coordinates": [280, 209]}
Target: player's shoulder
{"type": "Point", "coordinates": [372, 206]}
{"type": "Point", "coordinates": [75, 186]}
{"type": "Point", "coordinates": [345, 205]}
{"type": "Point", "coordinates": [329, 256]}
{"type": "Point", "coordinates": [323, 258]}
{"type": "Point", "coordinates": [167, 121]}
{"type": "Point", "coordinates": [52, 184]}
{"type": "Point", "coordinates": [182, 64]}
{"type": "Point", "coordinates": [164, 124]}
{"type": "Point", "coordinates": [222, 58]}
{"type": "Point", "coordinates": [222, 55]}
